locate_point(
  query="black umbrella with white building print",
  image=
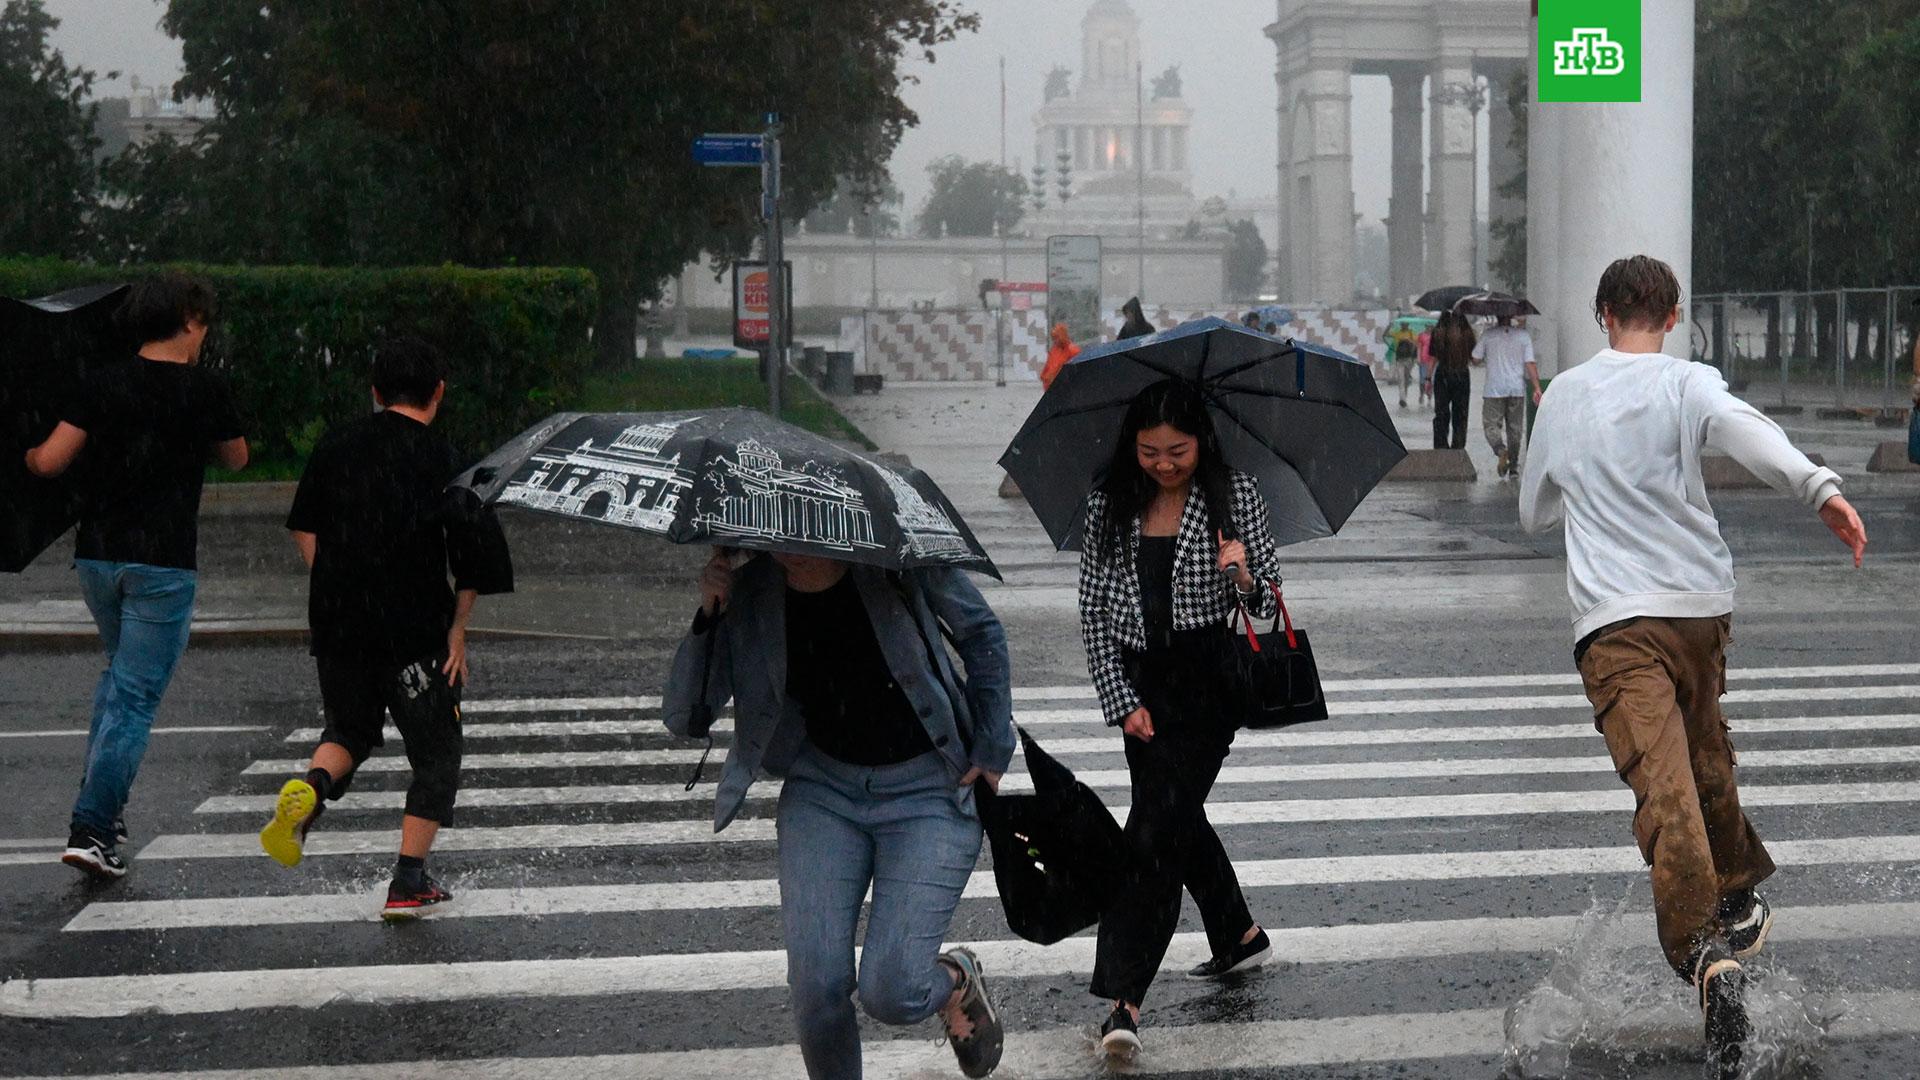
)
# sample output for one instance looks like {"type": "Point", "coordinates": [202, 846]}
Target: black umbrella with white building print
{"type": "Point", "coordinates": [730, 477]}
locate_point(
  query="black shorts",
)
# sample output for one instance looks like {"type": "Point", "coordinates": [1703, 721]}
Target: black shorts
{"type": "Point", "coordinates": [359, 694]}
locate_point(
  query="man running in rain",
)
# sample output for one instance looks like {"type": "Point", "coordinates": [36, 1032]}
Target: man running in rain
{"type": "Point", "coordinates": [1616, 452]}
{"type": "Point", "coordinates": [373, 520]}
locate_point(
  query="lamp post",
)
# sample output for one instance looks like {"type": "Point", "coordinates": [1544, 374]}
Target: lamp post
{"type": "Point", "coordinates": [1474, 96]}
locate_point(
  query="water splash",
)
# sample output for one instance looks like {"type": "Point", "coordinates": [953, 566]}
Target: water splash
{"type": "Point", "coordinates": [1609, 1008]}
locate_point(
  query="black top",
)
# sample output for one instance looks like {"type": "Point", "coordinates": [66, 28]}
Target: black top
{"type": "Point", "coordinates": [150, 427]}
{"type": "Point", "coordinates": [836, 673]}
{"type": "Point", "coordinates": [374, 493]}
{"type": "Point", "coordinates": [1156, 588]}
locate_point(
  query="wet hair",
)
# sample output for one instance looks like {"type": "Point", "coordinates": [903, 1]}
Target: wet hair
{"type": "Point", "coordinates": [407, 370]}
{"type": "Point", "coordinates": [1128, 488]}
{"type": "Point", "coordinates": [1640, 292]}
{"type": "Point", "coordinates": [158, 307]}
{"type": "Point", "coordinates": [1451, 343]}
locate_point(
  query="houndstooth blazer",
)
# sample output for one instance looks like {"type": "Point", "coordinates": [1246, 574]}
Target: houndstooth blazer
{"type": "Point", "coordinates": [1110, 609]}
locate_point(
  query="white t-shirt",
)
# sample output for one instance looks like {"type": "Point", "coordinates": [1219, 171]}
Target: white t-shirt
{"type": "Point", "coordinates": [1507, 350]}
{"type": "Point", "coordinates": [1616, 454]}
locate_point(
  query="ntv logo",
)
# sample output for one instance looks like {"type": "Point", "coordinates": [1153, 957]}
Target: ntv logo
{"type": "Point", "coordinates": [1590, 52]}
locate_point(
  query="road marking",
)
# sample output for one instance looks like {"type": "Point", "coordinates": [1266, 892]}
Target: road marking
{"type": "Point", "coordinates": [1068, 1053]}
{"type": "Point", "coordinates": [1330, 735]}
{"type": "Point", "coordinates": [175, 729]}
{"type": "Point", "coordinates": [383, 984]}
{"type": "Point", "coordinates": [1340, 770]}
{"type": "Point", "coordinates": [42, 844]}
{"type": "Point", "coordinates": [1333, 686]}
{"type": "Point", "coordinates": [1400, 807]}
{"type": "Point", "coordinates": [476, 903]}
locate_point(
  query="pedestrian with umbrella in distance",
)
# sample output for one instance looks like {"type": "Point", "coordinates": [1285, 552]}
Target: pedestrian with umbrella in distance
{"type": "Point", "coordinates": [835, 582]}
{"type": "Point", "coordinates": [1159, 462]}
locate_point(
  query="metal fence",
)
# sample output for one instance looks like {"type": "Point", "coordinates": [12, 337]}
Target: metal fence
{"type": "Point", "coordinates": [1838, 349]}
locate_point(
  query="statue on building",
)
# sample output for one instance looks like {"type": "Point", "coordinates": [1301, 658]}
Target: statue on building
{"type": "Point", "coordinates": [1058, 83]}
{"type": "Point", "coordinates": [1167, 83]}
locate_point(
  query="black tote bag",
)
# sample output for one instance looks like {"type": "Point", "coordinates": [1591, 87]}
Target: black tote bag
{"type": "Point", "coordinates": [1276, 674]}
{"type": "Point", "coordinates": [1058, 854]}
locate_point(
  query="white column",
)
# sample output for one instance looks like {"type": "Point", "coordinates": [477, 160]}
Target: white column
{"type": "Point", "coordinates": [1450, 176]}
{"type": "Point", "coordinates": [1406, 247]}
{"type": "Point", "coordinates": [1503, 161]}
{"type": "Point", "coordinates": [1621, 184]}
{"type": "Point", "coordinates": [1326, 103]}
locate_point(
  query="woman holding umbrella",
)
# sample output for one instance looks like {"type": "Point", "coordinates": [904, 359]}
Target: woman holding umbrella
{"type": "Point", "coordinates": [841, 686]}
{"type": "Point", "coordinates": [1174, 541]}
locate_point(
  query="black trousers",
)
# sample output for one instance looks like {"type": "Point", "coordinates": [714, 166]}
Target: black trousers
{"type": "Point", "coordinates": [1186, 691]}
{"type": "Point", "coordinates": [1452, 393]}
{"type": "Point", "coordinates": [358, 694]}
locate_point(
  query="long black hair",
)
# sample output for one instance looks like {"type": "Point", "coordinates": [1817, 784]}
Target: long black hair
{"type": "Point", "coordinates": [1180, 405]}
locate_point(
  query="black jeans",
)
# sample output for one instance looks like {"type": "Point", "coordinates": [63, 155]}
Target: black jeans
{"type": "Point", "coordinates": [1452, 392]}
{"type": "Point", "coordinates": [1186, 691]}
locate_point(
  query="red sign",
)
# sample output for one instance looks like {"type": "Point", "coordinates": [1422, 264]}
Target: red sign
{"type": "Point", "coordinates": [1020, 286]}
{"type": "Point", "coordinates": [752, 317]}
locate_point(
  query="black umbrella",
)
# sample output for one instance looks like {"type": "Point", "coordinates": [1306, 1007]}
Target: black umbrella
{"type": "Point", "coordinates": [1496, 304]}
{"type": "Point", "coordinates": [46, 346]}
{"type": "Point", "coordinates": [733, 477]}
{"type": "Point", "coordinates": [1058, 855]}
{"type": "Point", "coordinates": [1307, 422]}
{"type": "Point", "coordinates": [1443, 298]}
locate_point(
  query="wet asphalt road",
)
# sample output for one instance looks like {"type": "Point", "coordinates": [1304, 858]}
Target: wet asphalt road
{"type": "Point", "coordinates": [1451, 888]}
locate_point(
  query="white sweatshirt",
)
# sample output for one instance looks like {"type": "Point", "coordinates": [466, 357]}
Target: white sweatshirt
{"type": "Point", "coordinates": [1616, 452]}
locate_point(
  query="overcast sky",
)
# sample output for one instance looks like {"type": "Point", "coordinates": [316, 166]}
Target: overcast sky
{"type": "Point", "coordinates": [1226, 65]}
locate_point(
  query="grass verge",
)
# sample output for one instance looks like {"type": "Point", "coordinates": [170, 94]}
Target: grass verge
{"type": "Point", "coordinates": [672, 385]}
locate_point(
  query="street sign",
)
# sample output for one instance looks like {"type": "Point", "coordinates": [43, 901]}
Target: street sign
{"type": "Point", "coordinates": [1073, 285]}
{"type": "Point", "coordinates": [751, 312]}
{"type": "Point", "coordinates": [1020, 286]}
{"type": "Point", "coordinates": [730, 149]}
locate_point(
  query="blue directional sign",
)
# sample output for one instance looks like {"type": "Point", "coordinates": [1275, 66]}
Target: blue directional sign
{"type": "Point", "coordinates": [729, 149]}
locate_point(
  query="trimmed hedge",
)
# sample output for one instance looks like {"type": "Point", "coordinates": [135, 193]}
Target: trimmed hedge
{"type": "Point", "coordinates": [296, 342]}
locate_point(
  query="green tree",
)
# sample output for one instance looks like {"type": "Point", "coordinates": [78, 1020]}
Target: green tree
{"type": "Point", "coordinates": [489, 132]}
{"type": "Point", "coordinates": [1509, 266]}
{"type": "Point", "coordinates": [970, 198]}
{"type": "Point", "coordinates": [47, 138]}
{"type": "Point", "coordinates": [1246, 260]}
{"type": "Point", "coordinates": [868, 210]}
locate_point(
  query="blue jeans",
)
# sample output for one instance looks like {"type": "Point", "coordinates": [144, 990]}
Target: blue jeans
{"type": "Point", "coordinates": [906, 830]}
{"type": "Point", "coordinates": [144, 614]}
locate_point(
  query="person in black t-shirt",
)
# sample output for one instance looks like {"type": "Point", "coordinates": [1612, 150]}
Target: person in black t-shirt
{"type": "Point", "coordinates": [374, 520]}
{"type": "Point", "coordinates": [138, 435]}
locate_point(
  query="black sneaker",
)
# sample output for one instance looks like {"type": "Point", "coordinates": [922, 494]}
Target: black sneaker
{"type": "Point", "coordinates": [1120, 1035]}
{"type": "Point", "coordinates": [95, 856]}
{"type": "Point", "coordinates": [119, 832]}
{"type": "Point", "coordinates": [1747, 933]}
{"type": "Point", "coordinates": [1244, 957]}
{"type": "Point", "coordinates": [979, 1051]}
{"type": "Point", "coordinates": [1723, 1003]}
{"type": "Point", "coordinates": [412, 899]}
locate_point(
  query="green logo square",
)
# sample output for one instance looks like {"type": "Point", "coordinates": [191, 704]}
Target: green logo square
{"type": "Point", "coordinates": [1590, 50]}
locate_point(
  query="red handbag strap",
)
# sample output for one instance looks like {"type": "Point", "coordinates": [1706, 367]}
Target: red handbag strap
{"type": "Point", "coordinates": [1253, 639]}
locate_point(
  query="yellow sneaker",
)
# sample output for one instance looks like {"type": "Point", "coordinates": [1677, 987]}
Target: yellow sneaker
{"type": "Point", "coordinates": [293, 815]}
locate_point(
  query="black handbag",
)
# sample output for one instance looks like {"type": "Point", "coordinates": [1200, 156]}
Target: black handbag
{"type": "Point", "coordinates": [1276, 674]}
{"type": "Point", "coordinates": [1058, 854]}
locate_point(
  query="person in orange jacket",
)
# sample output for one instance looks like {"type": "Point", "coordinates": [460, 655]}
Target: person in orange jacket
{"type": "Point", "coordinates": [1062, 351]}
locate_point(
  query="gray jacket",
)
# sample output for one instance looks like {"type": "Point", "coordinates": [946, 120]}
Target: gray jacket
{"type": "Point", "coordinates": [747, 664]}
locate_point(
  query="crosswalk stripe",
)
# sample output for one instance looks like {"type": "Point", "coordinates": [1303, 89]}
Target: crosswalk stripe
{"type": "Point", "coordinates": [1346, 770]}
{"type": "Point", "coordinates": [38, 844]}
{"type": "Point", "coordinates": [536, 901]}
{"type": "Point", "coordinates": [225, 991]}
{"type": "Point", "coordinates": [165, 729]}
{"type": "Point", "coordinates": [1399, 807]}
{"type": "Point", "coordinates": [1332, 686]}
{"type": "Point", "coordinates": [1066, 1053]}
{"type": "Point", "coordinates": [1332, 735]}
